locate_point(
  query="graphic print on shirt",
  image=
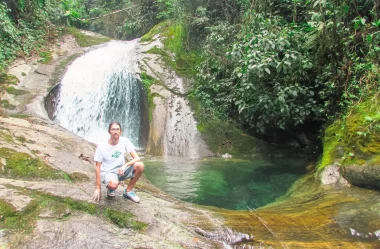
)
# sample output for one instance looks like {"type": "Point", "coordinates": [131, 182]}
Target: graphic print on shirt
{"type": "Point", "coordinates": [116, 154]}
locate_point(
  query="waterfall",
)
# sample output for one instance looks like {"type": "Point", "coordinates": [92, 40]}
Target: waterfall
{"type": "Point", "coordinates": [100, 87]}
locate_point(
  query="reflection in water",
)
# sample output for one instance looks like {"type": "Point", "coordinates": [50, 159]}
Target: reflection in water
{"type": "Point", "coordinates": [226, 183]}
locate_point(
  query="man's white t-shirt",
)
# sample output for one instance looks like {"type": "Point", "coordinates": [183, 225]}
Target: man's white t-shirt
{"type": "Point", "coordinates": [112, 156]}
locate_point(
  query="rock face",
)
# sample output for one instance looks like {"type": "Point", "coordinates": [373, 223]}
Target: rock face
{"type": "Point", "coordinates": [363, 176]}
{"type": "Point", "coordinates": [331, 175]}
{"type": "Point", "coordinates": [173, 129]}
{"type": "Point", "coordinates": [353, 143]}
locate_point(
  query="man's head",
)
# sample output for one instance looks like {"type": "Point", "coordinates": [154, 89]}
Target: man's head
{"type": "Point", "coordinates": [114, 129]}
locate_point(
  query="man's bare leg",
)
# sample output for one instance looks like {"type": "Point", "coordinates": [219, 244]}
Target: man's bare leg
{"type": "Point", "coordinates": [138, 170]}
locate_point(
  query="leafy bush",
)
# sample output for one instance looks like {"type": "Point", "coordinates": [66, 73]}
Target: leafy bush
{"type": "Point", "coordinates": [264, 79]}
{"type": "Point", "coordinates": [25, 28]}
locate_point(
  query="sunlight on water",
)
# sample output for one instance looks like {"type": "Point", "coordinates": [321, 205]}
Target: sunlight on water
{"type": "Point", "coordinates": [231, 184]}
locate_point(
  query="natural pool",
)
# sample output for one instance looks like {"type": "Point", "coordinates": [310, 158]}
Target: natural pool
{"type": "Point", "coordinates": [234, 184]}
{"type": "Point", "coordinates": [299, 211]}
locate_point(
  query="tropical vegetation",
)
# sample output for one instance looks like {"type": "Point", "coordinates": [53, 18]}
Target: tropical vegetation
{"type": "Point", "coordinates": [278, 66]}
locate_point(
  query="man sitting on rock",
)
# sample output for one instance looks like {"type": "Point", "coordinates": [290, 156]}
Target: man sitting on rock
{"type": "Point", "coordinates": [111, 168]}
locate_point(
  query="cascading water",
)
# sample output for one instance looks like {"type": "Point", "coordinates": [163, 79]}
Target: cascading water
{"type": "Point", "coordinates": [100, 87]}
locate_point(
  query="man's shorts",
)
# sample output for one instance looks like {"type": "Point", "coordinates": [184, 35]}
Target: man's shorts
{"type": "Point", "coordinates": [106, 177]}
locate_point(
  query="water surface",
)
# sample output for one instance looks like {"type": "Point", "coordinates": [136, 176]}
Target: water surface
{"type": "Point", "coordinates": [227, 183]}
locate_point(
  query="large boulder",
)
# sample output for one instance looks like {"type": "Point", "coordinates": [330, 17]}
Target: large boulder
{"type": "Point", "coordinates": [353, 143]}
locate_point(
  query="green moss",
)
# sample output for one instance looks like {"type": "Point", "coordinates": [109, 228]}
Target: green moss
{"type": "Point", "coordinates": [20, 115]}
{"type": "Point", "coordinates": [86, 40]}
{"type": "Point", "coordinates": [6, 137]}
{"type": "Point", "coordinates": [5, 104]}
{"type": "Point", "coordinates": [6, 209]}
{"type": "Point", "coordinates": [21, 139]}
{"type": "Point", "coordinates": [9, 79]}
{"type": "Point", "coordinates": [78, 177]}
{"type": "Point", "coordinates": [175, 53]}
{"type": "Point", "coordinates": [18, 222]}
{"type": "Point", "coordinates": [185, 60]}
{"type": "Point", "coordinates": [157, 29]}
{"type": "Point", "coordinates": [147, 81]}
{"type": "Point", "coordinates": [120, 218]}
{"type": "Point", "coordinates": [331, 141]}
{"type": "Point", "coordinates": [157, 50]}
{"type": "Point", "coordinates": [14, 91]}
{"type": "Point", "coordinates": [354, 139]}
{"type": "Point", "coordinates": [46, 57]}
{"type": "Point", "coordinates": [21, 165]}
{"type": "Point", "coordinates": [21, 223]}
{"type": "Point", "coordinates": [123, 219]}
{"type": "Point", "coordinates": [57, 208]}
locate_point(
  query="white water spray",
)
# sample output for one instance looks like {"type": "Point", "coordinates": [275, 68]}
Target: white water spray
{"type": "Point", "coordinates": [100, 87]}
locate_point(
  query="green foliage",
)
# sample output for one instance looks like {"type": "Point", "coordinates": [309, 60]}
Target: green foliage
{"type": "Point", "coordinates": [8, 79]}
{"type": "Point", "coordinates": [74, 11]}
{"type": "Point", "coordinates": [264, 78]}
{"type": "Point", "coordinates": [46, 57]}
{"type": "Point", "coordinates": [25, 28]}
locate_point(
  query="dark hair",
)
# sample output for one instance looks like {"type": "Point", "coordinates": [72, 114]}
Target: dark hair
{"type": "Point", "coordinates": [112, 123]}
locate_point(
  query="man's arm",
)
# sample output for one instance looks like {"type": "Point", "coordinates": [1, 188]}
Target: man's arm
{"type": "Point", "coordinates": [96, 195]}
{"type": "Point", "coordinates": [135, 158]}
{"type": "Point", "coordinates": [97, 171]}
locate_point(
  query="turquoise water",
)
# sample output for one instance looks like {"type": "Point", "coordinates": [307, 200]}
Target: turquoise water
{"type": "Point", "coordinates": [226, 183]}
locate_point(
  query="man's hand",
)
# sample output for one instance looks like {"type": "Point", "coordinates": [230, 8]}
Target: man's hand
{"type": "Point", "coordinates": [121, 170]}
{"type": "Point", "coordinates": [96, 195]}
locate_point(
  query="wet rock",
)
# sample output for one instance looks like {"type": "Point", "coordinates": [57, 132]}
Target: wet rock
{"type": "Point", "coordinates": [18, 201]}
{"type": "Point", "coordinates": [227, 155]}
{"type": "Point", "coordinates": [44, 69]}
{"type": "Point", "coordinates": [363, 175]}
{"type": "Point", "coordinates": [57, 214]}
{"type": "Point", "coordinates": [330, 174]}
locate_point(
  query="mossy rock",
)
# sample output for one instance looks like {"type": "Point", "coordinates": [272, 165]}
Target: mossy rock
{"type": "Point", "coordinates": [8, 79]}
{"type": "Point", "coordinates": [176, 53]}
{"type": "Point", "coordinates": [5, 104]}
{"type": "Point", "coordinates": [14, 91]}
{"type": "Point", "coordinates": [22, 165]}
{"type": "Point", "coordinates": [223, 137]}
{"type": "Point", "coordinates": [354, 143]}
{"type": "Point", "coordinates": [157, 29]}
{"type": "Point", "coordinates": [84, 40]}
{"type": "Point", "coordinates": [78, 177]}
{"type": "Point", "coordinates": [363, 175]}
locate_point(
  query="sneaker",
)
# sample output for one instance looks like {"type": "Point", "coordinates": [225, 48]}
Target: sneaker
{"type": "Point", "coordinates": [132, 196]}
{"type": "Point", "coordinates": [111, 193]}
